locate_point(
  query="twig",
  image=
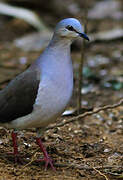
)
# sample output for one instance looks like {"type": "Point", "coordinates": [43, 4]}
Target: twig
{"type": "Point", "coordinates": [83, 49]}
{"type": "Point", "coordinates": [32, 159]}
{"type": "Point", "coordinates": [95, 110]}
{"type": "Point", "coordinates": [85, 167]}
{"type": "Point", "coordinates": [101, 173]}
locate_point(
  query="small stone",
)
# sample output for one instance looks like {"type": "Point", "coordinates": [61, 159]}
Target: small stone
{"type": "Point", "coordinates": [1, 142]}
{"type": "Point", "coordinates": [107, 150]}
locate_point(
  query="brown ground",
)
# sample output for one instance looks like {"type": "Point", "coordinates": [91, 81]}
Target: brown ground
{"type": "Point", "coordinates": [75, 148]}
{"type": "Point", "coordinates": [90, 149]}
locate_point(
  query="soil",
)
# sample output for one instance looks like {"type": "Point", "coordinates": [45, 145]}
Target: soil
{"type": "Point", "coordinates": [80, 150]}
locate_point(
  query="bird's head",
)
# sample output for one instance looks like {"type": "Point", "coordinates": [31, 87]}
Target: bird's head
{"type": "Point", "coordinates": [70, 28]}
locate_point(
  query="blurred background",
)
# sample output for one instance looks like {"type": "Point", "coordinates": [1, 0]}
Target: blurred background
{"type": "Point", "coordinates": [26, 27]}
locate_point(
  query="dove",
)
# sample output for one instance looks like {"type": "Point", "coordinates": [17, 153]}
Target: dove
{"type": "Point", "coordinates": [40, 94]}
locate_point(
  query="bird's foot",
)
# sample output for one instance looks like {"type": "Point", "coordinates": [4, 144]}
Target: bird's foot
{"type": "Point", "coordinates": [17, 157]}
{"type": "Point", "coordinates": [48, 161]}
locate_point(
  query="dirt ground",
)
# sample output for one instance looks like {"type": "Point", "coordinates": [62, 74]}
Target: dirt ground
{"type": "Point", "coordinates": [88, 149]}
{"type": "Point", "coordinates": [80, 150]}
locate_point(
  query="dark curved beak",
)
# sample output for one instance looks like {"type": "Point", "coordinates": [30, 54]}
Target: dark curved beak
{"type": "Point", "coordinates": [83, 35]}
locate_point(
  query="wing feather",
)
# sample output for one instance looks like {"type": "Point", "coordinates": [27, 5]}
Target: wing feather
{"type": "Point", "coordinates": [17, 99]}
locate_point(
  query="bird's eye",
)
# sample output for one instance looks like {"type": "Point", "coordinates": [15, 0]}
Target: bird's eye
{"type": "Point", "coordinates": [70, 28]}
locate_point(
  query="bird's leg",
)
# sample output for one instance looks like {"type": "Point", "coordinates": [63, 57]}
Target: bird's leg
{"type": "Point", "coordinates": [15, 146]}
{"type": "Point", "coordinates": [46, 158]}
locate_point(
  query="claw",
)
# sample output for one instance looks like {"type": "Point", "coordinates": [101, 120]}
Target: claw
{"type": "Point", "coordinates": [46, 159]}
{"type": "Point", "coordinates": [17, 157]}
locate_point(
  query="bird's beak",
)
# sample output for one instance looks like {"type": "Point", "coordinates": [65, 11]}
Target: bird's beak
{"type": "Point", "coordinates": [83, 35]}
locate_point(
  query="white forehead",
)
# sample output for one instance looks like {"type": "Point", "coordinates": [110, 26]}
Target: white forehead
{"type": "Point", "coordinates": [71, 22]}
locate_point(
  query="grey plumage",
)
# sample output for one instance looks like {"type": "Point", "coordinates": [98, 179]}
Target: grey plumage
{"type": "Point", "coordinates": [18, 98]}
{"type": "Point", "coordinates": [39, 95]}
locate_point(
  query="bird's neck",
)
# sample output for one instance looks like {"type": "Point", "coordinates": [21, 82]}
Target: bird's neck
{"type": "Point", "coordinates": [60, 43]}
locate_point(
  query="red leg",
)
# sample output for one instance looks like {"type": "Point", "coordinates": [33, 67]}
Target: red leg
{"type": "Point", "coordinates": [15, 146]}
{"type": "Point", "coordinates": [46, 158]}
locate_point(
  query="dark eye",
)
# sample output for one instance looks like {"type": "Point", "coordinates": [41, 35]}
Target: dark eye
{"type": "Point", "coordinates": [70, 28]}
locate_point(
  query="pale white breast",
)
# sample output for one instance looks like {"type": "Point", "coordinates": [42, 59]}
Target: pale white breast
{"type": "Point", "coordinates": [53, 96]}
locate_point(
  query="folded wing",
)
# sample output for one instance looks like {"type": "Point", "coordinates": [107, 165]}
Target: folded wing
{"type": "Point", "coordinates": [18, 98]}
